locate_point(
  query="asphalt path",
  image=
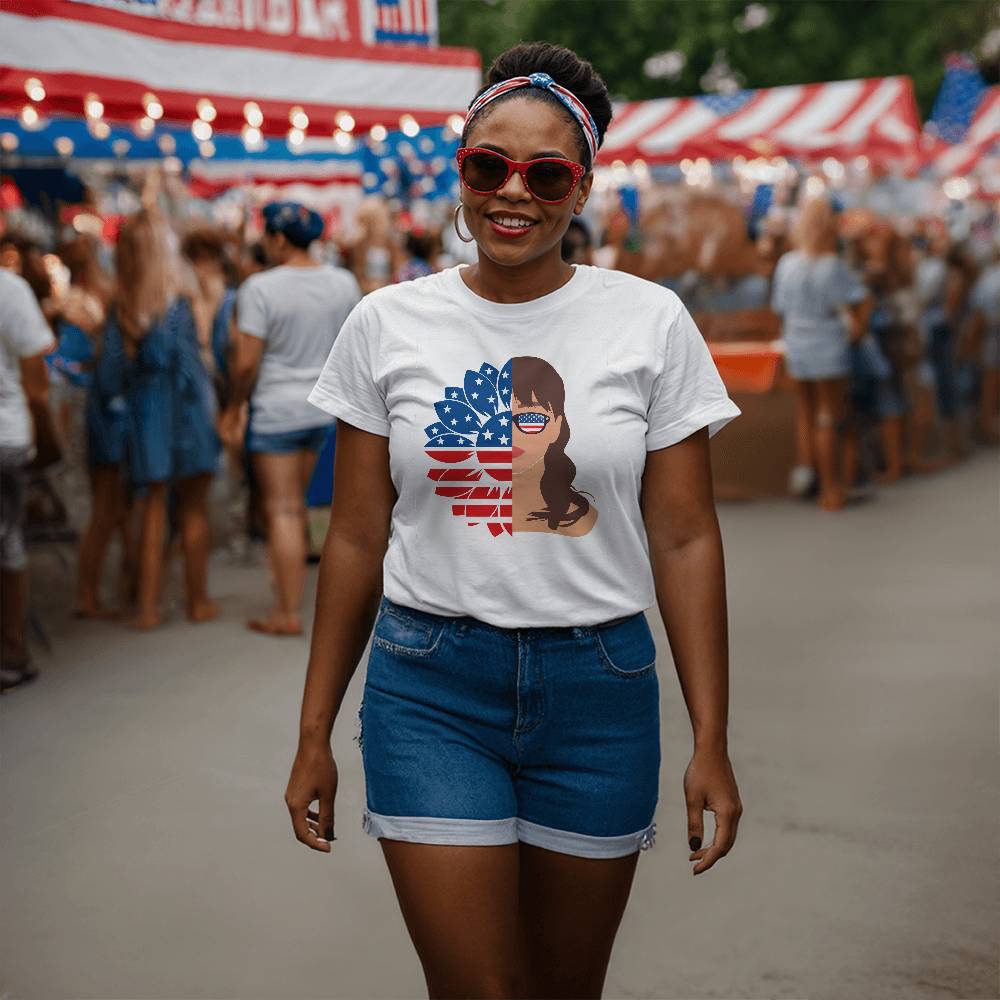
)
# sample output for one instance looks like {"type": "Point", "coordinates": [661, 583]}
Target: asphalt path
{"type": "Point", "coordinates": [147, 852]}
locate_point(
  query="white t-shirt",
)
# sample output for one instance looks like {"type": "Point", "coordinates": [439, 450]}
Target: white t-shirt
{"type": "Point", "coordinates": [533, 522]}
{"type": "Point", "coordinates": [23, 333]}
{"type": "Point", "coordinates": [297, 312]}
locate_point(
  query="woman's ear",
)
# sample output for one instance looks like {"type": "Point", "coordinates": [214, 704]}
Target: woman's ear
{"type": "Point", "coordinates": [584, 193]}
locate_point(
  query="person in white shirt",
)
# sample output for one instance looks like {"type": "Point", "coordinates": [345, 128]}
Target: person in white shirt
{"type": "Point", "coordinates": [522, 470]}
{"type": "Point", "coordinates": [287, 319]}
{"type": "Point", "coordinates": [25, 339]}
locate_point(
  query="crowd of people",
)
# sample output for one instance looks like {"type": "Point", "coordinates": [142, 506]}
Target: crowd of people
{"type": "Point", "coordinates": [190, 359]}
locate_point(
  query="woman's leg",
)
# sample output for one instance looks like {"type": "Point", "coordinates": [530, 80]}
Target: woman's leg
{"type": "Point", "coordinates": [805, 410]}
{"type": "Point", "coordinates": [280, 478]}
{"type": "Point", "coordinates": [107, 510]}
{"type": "Point", "coordinates": [989, 405]}
{"type": "Point", "coordinates": [152, 531]}
{"type": "Point", "coordinates": [570, 911]}
{"type": "Point", "coordinates": [460, 906]}
{"type": "Point", "coordinates": [831, 395]}
{"type": "Point", "coordinates": [192, 498]}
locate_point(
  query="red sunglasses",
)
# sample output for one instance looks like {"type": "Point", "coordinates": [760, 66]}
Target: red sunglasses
{"type": "Point", "coordinates": [550, 179]}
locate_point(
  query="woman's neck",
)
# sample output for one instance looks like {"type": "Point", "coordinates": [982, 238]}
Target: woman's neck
{"type": "Point", "coordinates": [520, 282]}
{"type": "Point", "coordinates": [300, 258]}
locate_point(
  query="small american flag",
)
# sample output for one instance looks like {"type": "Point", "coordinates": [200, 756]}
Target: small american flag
{"type": "Point", "coordinates": [471, 448]}
{"type": "Point", "coordinates": [405, 21]}
{"type": "Point", "coordinates": [957, 100]}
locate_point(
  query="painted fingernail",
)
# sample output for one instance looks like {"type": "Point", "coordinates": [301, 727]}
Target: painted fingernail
{"type": "Point", "coordinates": [695, 843]}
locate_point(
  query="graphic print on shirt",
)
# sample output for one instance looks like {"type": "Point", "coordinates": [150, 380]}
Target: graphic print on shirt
{"type": "Point", "coordinates": [499, 451]}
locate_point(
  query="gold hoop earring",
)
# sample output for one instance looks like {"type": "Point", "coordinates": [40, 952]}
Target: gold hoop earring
{"type": "Point", "coordinates": [458, 208]}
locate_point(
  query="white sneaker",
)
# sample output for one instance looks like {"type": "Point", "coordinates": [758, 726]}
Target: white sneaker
{"type": "Point", "coordinates": [801, 480]}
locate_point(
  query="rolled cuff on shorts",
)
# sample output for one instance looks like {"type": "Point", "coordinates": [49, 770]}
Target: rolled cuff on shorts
{"type": "Point", "coordinates": [494, 832]}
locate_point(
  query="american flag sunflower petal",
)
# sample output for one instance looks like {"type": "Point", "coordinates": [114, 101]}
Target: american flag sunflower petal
{"type": "Point", "coordinates": [458, 417]}
{"type": "Point", "coordinates": [481, 393]}
{"type": "Point", "coordinates": [505, 384]}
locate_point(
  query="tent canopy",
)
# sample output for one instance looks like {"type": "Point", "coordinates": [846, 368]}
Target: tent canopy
{"type": "Point", "coordinates": [127, 51]}
{"type": "Point", "coordinates": [874, 117]}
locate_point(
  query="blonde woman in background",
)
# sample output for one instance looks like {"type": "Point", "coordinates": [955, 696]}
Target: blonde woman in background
{"type": "Point", "coordinates": [823, 308]}
{"type": "Point", "coordinates": [152, 356]}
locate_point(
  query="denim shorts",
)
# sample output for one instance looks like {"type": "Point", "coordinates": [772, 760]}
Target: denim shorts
{"type": "Point", "coordinates": [285, 442]}
{"type": "Point", "coordinates": [479, 735]}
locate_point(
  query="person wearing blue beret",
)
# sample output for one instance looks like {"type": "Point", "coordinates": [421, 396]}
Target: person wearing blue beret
{"type": "Point", "coordinates": [286, 319]}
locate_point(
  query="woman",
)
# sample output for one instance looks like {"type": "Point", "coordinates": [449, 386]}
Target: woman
{"type": "Point", "coordinates": [287, 319]}
{"type": "Point", "coordinates": [820, 301]}
{"type": "Point", "coordinates": [82, 313]}
{"type": "Point", "coordinates": [511, 704]}
{"type": "Point", "coordinates": [152, 357]}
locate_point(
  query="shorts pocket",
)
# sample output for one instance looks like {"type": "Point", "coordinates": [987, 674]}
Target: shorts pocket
{"type": "Point", "coordinates": [627, 648]}
{"type": "Point", "coordinates": [406, 635]}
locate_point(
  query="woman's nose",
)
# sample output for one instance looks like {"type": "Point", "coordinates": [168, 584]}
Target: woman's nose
{"type": "Point", "coordinates": [515, 188]}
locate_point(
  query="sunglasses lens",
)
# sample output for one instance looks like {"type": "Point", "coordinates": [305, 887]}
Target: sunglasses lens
{"type": "Point", "coordinates": [483, 171]}
{"type": "Point", "coordinates": [531, 423]}
{"type": "Point", "coordinates": [550, 181]}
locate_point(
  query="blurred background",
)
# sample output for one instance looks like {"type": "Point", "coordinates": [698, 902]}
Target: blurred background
{"type": "Point", "coordinates": [147, 733]}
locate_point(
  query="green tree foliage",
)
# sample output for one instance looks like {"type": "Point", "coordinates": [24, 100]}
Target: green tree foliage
{"type": "Point", "coordinates": [805, 41]}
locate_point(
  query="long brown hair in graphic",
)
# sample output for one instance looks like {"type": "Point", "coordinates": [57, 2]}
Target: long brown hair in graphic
{"type": "Point", "coordinates": [535, 380]}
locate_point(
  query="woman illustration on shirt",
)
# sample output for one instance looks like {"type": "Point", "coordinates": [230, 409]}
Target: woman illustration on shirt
{"type": "Point", "coordinates": [543, 495]}
{"type": "Point", "coordinates": [510, 719]}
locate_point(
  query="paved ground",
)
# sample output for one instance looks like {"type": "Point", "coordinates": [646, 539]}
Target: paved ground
{"type": "Point", "coordinates": [147, 851]}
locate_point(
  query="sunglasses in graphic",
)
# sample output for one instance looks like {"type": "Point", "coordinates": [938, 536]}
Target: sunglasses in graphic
{"type": "Point", "coordinates": [550, 179]}
{"type": "Point", "coordinates": [531, 422]}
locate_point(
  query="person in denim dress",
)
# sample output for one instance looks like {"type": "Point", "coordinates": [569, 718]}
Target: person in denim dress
{"type": "Point", "coordinates": [522, 469]}
{"type": "Point", "coordinates": [153, 359]}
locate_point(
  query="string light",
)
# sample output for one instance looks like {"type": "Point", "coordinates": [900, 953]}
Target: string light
{"type": "Point", "coordinates": [29, 116]}
{"type": "Point", "coordinates": [92, 106]}
{"type": "Point", "coordinates": [8, 142]}
{"type": "Point", "coordinates": [456, 123]}
{"type": "Point", "coordinates": [345, 121]}
{"type": "Point", "coordinates": [201, 130]}
{"type": "Point", "coordinates": [154, 109]}
{"type": "Point", "coordinates": [298, 118]}
{"type": "Point", "coordinates": [34, 89]}
{"type": "Point", "coordinates": [206, 149]}
{"type": "Point", "coordinates": [409, 125]}
{"type": "Point", "coordinates": [296, 137]}
{"type": "Point", "coordinates": [120, 147]}
{"type": "Point", "coordinates": [253, 114]}
{"type": "Point", "coordinates": [99, 129]}
{"type": "Point", "coordinates": [206, 110]}
{"type": "Point", "coordinates": [145, 126]}
{"type": "Point", "coordinates": [64, 145]}
{"type": "Point", "coordinates": [378, 133]}
{"type": "Point", "coordinates": [252, 137]}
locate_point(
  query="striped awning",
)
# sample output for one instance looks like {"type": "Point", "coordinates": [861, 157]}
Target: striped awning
{"type": "Point", "coordinates": [875, 118]}
{"type": "Point", "coordinates": [982, 136]}
{"type": "Point", "coordinates": [123, 51]}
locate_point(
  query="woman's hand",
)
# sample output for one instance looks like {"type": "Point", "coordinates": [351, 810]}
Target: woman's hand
{"type": "Point", "coordinates": [232, 426]}
{"type": "Point", "coordinates": [314, 777]}
{"type": "Point", "coordinates": [709, 784]}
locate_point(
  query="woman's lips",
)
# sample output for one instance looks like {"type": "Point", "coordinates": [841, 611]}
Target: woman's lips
{"type": "Point", "coordinates": [516, 452]}
{"type": "Point", "coordinates": [510, 231]}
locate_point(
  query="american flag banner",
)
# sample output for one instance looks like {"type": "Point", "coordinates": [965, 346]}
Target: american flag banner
{"type": "Point", "coordinates": [267, 64]}
{"type": "Point", "coordinates": [471, 447]}
{"type": "Point", "coordinates": [401, 22]}
{"type": "Point", "coordinates": [873, 117]}
{"type": "Point", "coordinates": [965, 122]}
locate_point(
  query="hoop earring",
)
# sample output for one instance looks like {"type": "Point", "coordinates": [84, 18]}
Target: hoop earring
{"type": "Point", "coordinates": [458, 208]}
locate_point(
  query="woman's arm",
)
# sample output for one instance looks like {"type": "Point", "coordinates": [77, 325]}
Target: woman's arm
{"type": "Point", "coordinates": [685, 548]}
{"type": "Point", "coordinates": [347, 599]}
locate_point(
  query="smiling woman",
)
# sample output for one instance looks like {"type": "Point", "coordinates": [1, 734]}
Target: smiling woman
{"type": "Point", "coordinates": [511, 705]}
